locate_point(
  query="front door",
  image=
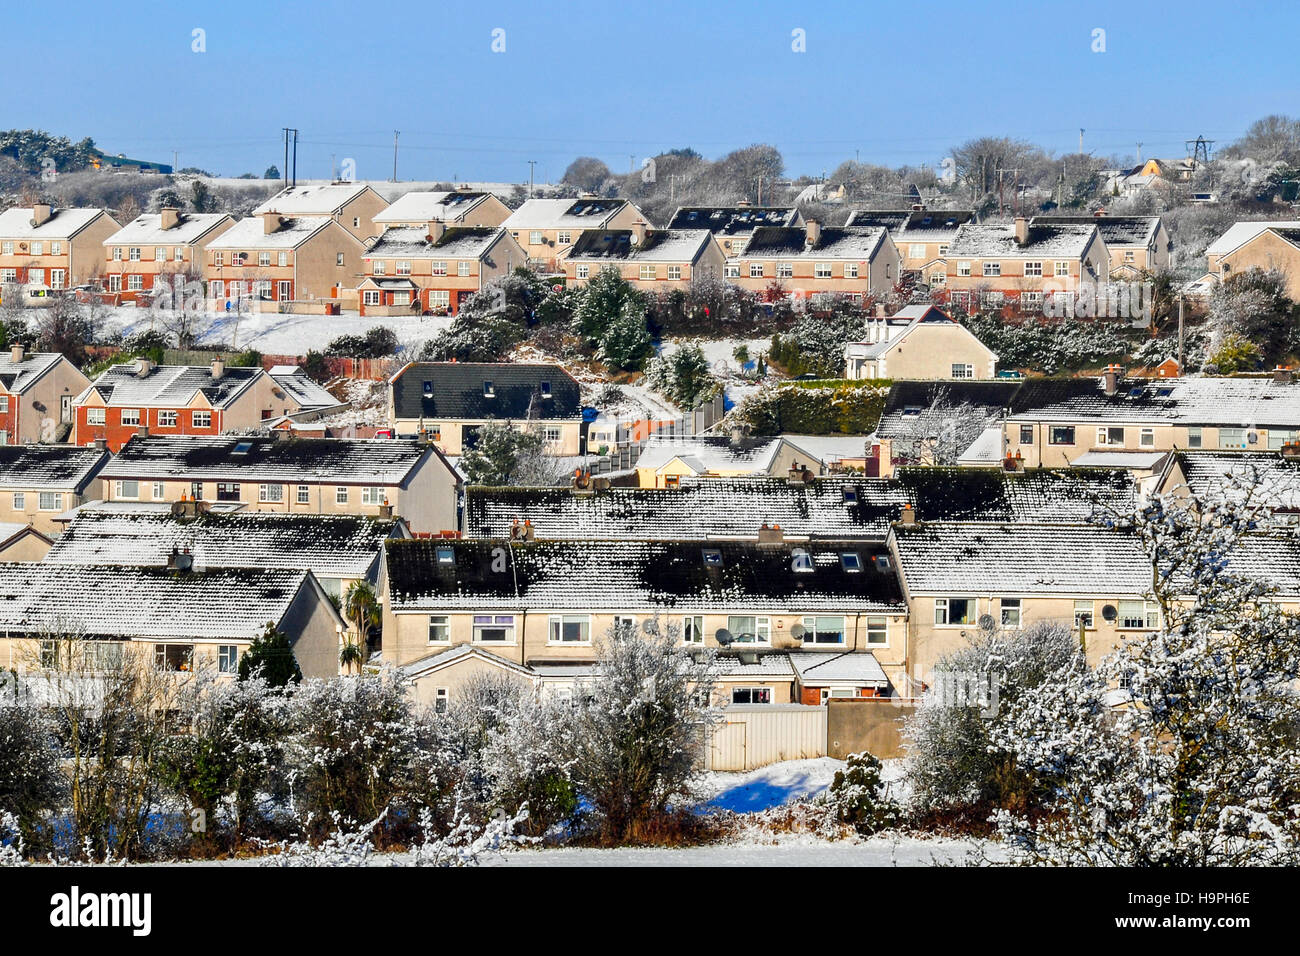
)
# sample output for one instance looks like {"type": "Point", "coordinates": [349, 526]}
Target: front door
{"type": "Point", "coordinates": [285, 285]}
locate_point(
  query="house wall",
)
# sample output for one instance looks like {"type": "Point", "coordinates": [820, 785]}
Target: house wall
{"type": "Point", "coordinates": [931, 250]}
{"type": "Point", "coordinates": [449, 435]}
{"type": "Point", "coordinates": [455, 676]}
{"type": "Point", "coordinates": [312, 626]}
{"type": "Point", "coordinates": [710, 260]}
{"type": "Point", "coordinates": [1265, 251]}
{"type": "Point", "coordinates": [549, 249]}
{"type": "Point", "coordinates": [41, 407]}
{"type": "Point", "coordinates": [80, 257]}
{"type": "Point", "coordinates": [875, 276]}
{"type": "Point", "coordinates": [27, 547]}
{"type": "Point", "coordinates": [30, 511]}
{"type": "Point", "coordinates": [1164, 437]}
{"type": "Point", "coordinates": [364, 208]}
{"type": "Point", "coordinates": [929, 351]}
{"type": "Point", "coordinates": [88, 249]}
{"type": "Point", "coordinates": [501, 258]}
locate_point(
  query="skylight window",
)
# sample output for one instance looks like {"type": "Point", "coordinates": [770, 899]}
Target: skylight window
{"type": "Point", "coordinates": [882, 562]}
{"type": "Point", "coordinates": [851, 561]}
{"type": "Point", "coordinates": [446, 556]}
{"type": "Point", "coordinates": [801, 561]}
{"type": "Point", "coordinates": [712, 557]}
{"type": "Point", "coordinates": [488, 390]}
{"type": "Point", "coordinates": [428, 389]}
{"type": "Point", "coordinates": [911, 409]}
{"type": "Point", "coordinates": [243, 448]}
{"type": "Point", "coordinates": [546, 389]}
{"type": "Point", "coordinates": [850, 496]}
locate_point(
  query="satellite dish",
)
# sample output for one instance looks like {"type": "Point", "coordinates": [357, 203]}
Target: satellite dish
{"type": "Point", "coordinates": [798, 631]}
{"type": "Point", "coordinates": [987, 623]}
{"type": "Point", "coordinates": [1109, 612]}
{"type": "Point", "coordinates": [650, 626]}
{"type": "Point", "coordinates": [724, 636]}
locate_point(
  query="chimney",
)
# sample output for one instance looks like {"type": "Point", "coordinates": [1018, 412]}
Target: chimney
{"type": "Point", "coordinates": [638, 233]}
{"type": "Point", "coordinates": [270, 222]}
{"type": "Point", "coordinates": [1291, 449]}
{"type": "Point", "coordinates": [385, 510]}
{"type": "Point", "coordinates": [171, 217]}
{"type": "Point", "coordinates": [143, 368]}
{"type": "Point", "coordinates": [17, 353]}
{"type": "Point", "coordinates": [530, 533]}
{"type": "Point", "coordinates": [1022, 231]}
{"type": "Point", "coordinates": [771, 534]}
{"type": "Point", "coordinates": [1282, 375]}
{"type": "Point", "coordinates": [41, 213]}
{"type": "Point", "coordinates": [180, 560]}
{"type": "Point", "coordinates": [142, 431]}
{"type": "Point", "coordinates": [907, 517]}
{"type": "Point", "coordinates": [436, 229]}
{"type": "Point", "coordinates": [101, 444]}
{"type": "Point", "coordinates": [799, 474]}
{"type": "Point", "coordinates": [1110, 378]}
{"type": "Point", "coordinates": [218, 368]}
{"type": "Point", "coordinates": [744, 203]}
{"type": "Point", "coordinates": [812, 232]}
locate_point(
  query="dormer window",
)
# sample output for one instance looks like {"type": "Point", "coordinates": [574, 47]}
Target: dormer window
{"type": "Point", "coordinates": [801, 561]}
{"type": "Point", "coordinates": [488, 390]}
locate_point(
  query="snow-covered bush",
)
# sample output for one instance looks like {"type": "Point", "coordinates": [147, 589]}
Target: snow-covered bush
{"type": "Point", "coordinates": [858, 797]}
{"type": "Point", "coordinates": [30, 779]}
{"type": "Point", "coordinates": [13, 849]}
{"type": "Point", "coordinates": [684, 376]}
{"type": "Point", "coordinates": [467, 840]}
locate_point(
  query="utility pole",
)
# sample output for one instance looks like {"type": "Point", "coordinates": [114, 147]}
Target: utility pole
{"type": "Point", "coordinates": [631, 163]}
{"type": "Point", "coordinates": [284, 170]}
{"type": "Point", "coordinates": [176, 160]}
{"type": "Point", "coordinates": [395, 135]}
{"type": "Point", "coordinates": [1080, 140]}
{"type": "Point", "coordinates": [1180, 333]}
{"type": "Point", "coordinates": [294, 180]}
{"type": "Point", "coordinates": [1139, 152]}
{"type": "Point", "coordinates": [531, 164]}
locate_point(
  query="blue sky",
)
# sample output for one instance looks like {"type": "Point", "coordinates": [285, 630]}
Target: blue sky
{"type": "Point", "coordinates": [619, 80]}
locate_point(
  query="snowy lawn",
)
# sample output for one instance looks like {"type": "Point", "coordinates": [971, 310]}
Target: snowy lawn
{"type": "Point", "coordinates": [766, 787]}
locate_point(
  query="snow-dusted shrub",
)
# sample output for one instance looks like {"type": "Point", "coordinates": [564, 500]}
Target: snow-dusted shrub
{"type": "Point", "coordinates": [30, 779]}
{"type": "Point", "coordinates": [13, 849]}
{"type": "Point", "coordinates": [343, 847]}
{"type": "Point", "coordinates": [467, 840]}
{"type": "Point", "coordinates": [857, 794]}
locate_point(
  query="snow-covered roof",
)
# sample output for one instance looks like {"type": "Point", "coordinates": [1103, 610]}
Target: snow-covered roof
{"type": "Point", "coordinates": [733, 220]}
{"type": "Point", "coordinates": [843, 242]}
{"type": "Point", "coordinates": [330, 546]}
{"type": "Point", "coordinates": [984, 450]}
{"type": "Point", "coordinates": [660, 245]}
{"type": "Point", "coordinates": [460, 652]}
{"type": "Point", "coordinates": [17, 377]}
{"type": "Point", "coordinates": [251, 233]}
{"type": "Point", "coordinates": [637, 576]}
{"type": "Point", "coordinates": [998, 241]}
{"type": "Point", "coordinates": [13, 529]}
{"type": "Point", "coordinates": [816, 668]}
{"type": "Point", "coordinates": [146, 603]}
{"type": "Point", "coordinates": [173, 386]}
{"type": "Point", "coordinates": [911, 318]}
{"type": "Point", "coordinates": [1116, 231]}
{"type": "Point", "coordinates": [147, 230]}
{"type": "Point", "coordinates": [769, 664]}
{"type": "Point", "coordinates": [1138, 460]}
{"type": "Point", "coordinates": [829, 449]}
{"type": "Point", "coordinates": [709, 453]}
{"type": "Point", "coordinates": [459, 391]}
{"type": "Point", "coordinates": [564, 213]}
{"type": "Point", "coordinates": [458, 242]}
{"type": "Point", "coordinates": [1013, 560]}
{"type": "Point", "coordinates": [914, 225]}
{"type": "Point", "coordinates": [308, 394]}
{"type": "Point", "coordinates": [1275, 480]}
{"type": "Point", "coordinates": [49, 467]}
{"type": "Point", "coordinates": [16, 223]}
{"type": "Point", "coordinates": [312, 199]}
{"type": "Point", "coordinates": [1232, 402]}
{"type": "Point", "coordinates": [388, 461]}
{"type": "Point", "coordinates": [1239, 233]}
{"type": "Point", "coordinates": [1035, 496]}
{"type": "Point", "coordinates": [431, 207]}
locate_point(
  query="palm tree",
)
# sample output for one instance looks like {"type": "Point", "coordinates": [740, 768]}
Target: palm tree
{"type": "Point", "coordinates": [361, 607]}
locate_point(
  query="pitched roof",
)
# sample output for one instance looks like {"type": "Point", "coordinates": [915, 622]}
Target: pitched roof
{"type": "Point", "coordinates": [303, 390]}
{"type": "Point", "coordinates": [1275, 480]}
{"type": "Point", "coordinates": [16, 223]}
{"type": "Point", "coordinates": [1233, 402]}
{"type": "Point", "coordinates": [660, 245]}
{"type": "Point", "coordinates": [919, 225]}
{"type": "Point", "coordinates": [17, 377]}
{"type": "Point", "coordinates": [709, 452]}
{"type": "Point", "coordinates": [564, 213]}
{"type": "Point", "coordinates": [998, 240]}
{"type": "Point", "coordinates": [843, 242]}
{"type": "Point", "coordinates": [49, 467]}
{"type": "Point", "coordinates": [171, 385]}
{"type": "Point", "coordinates": [1021, 559]}
{"type": "Point", "coordinates": [634, 575]}
{"type": "Point", "coordinates": [915, 316]}
{"type": "Point", "coordinates": [330, 546]}
{"type": "Point", "coordinates": [387, 461]}
{"type": "Point", "coordinates": [1239, 233]}
{"type": "Point", "coordinates": [458, 390]}
{"type": "Point", "coordinates": [251, 234]}
{"type": "Point", "coordinates": [1033, 496]}
{"type": "Point", "coordinates": [313, 199]}
{"type": "Point", "coordinates": [1116, 231]}
{"type": "Point", "coordinates": [147, 230]}
{"type": "Point", "coordinates": [732, 220]}
{"type": "Point", "coordinates": [825, 667]}
{"type": "Point", "coordinates": [132, 602]}
{"type": "Point", "coordinates": [458, 242]}
{"type": "Point", "coordinates": [910, 402]}
{"type": "Point", "coordinates": [443, 206]}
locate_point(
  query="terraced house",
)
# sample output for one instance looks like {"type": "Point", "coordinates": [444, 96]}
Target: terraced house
{"type": "Point", "coordinates": [448, 402]}
{"type": "Point", "coordinates": [189, 400]}
{"type": "Point", "coordinates": [376, 478]}
{"type": "Point", "coordinates": [457, 207]}
{"type": "Point", "coordinates": [37, 394]}
{"type": "Point", "coordinates": [546, 228]}
{"type": "Point", "coordinates": [274, 259]}
{"type": "Point", "coordinates": [652, 260]}
{"type": "Point", "coordinates": [434, 268]}
{"type": "Point", "coordinates": [48, 249]}
{"type": "Point", "coordinates": [1258, 245]}
{"type": "Point", "coordinates": [852, 260]}
{"type": "Point", "coordinates": [353, 206]}
{"type": "Point", "coordinates": [922, 236]}
{"type": "Point", "coordinates": [1136, 244]}
{"type": "Point", "coordinates": [165, 244]}
{"type": "Point", "coordinates": [38, 483]}
{"type": "Point", "coordinates": [732, 226]}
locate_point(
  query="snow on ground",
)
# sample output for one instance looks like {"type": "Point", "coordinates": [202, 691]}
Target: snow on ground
{"type": "Point", "coordinates": [766, 787]}
{"type": "Point", "coordinates": [718, 351]}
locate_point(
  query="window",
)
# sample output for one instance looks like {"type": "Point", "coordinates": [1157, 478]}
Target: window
{"type": "Point", "coordinates": [20, 501]}
{"type": "Point", "coordinates": [356, 222]}
{"type": "Point", "coordinates": [563, 238]}
{"type": "Point", "coordinates": [851, 562]}
{"type": "Point", "coordinates": [218, 258]}
{"type": "Point", "coordinates": [304, 495]}
{"type": "Point", "coordinates": [439, 629]}
{"type": "Point", "coordinates": [1032, 301]}
{"type": "Point", "coordinates": [551, 434]}
{"type": "Point", "coordinates": [1062, 268]}
{"type": "Point", "coordinates": [1277, 438]}
{"type": "Point", "coordinates": [570, 629]}
{"type": "Point", "coordinates": [4, 404]}
{"type": "Point", "coordinates": [270, 493]}
{"type": "Point", "coordinates": [196, 490]}
{"type": "Point", "coordinates": [160, 253]}
{"type": "Point", "coordinates": [102, 655]}
{"type": "Point", "coordinates": [133, 253]}
{"type": "Point", "coordinates": [173, 657]}
{"type": "Point", "coordinates": [784, 270]}
{"type": "Point", "coordinates": [371, 297]}
{"type": "Point", "coordinates": [440, 701]}
{"type": "Point", "coordinates": [7, 249]}
{"type": "Point", "coordinates": [372, 495]}
{"type": "Point", "coordinates": [51, 501]}
{"type": "Point", "coordinates": [877, 630]}
{"type": "Point", "coordinates": [1083, 615]}
{"type": "Point", "coordinates": [960, 370]}
{"type": "Point", "coordinates": [57, 278]}
{"type": "Point", "coordinates": [535, 237]}
{"type": "Point", "coordinates": [1147, 438]}
{"type": "Point", "coordinates": [489, 390]}
{"type": "Point", "coordinates": [36, 276]}
{"type": "Point", "coordinates": [159, 491]}
{"type": "Point", "coordinates": [850, 270]}
{"type": "Point", "coordinates": [167, 418]}
{"type": "Point", "coordinates": [178, 254]}
{"type": "Point", "coordinates": [823, 630]}
{"type": "Point", "coordinates": [379, 267]}
{"type": "Point", "coordinates": [963, 268]}
{"type": "Point", "coordinates": [127, 489]}
{"type": "Point", "coordinates": [227, 491]}
{"type": "Point", "coordinates": [916, 251]}
{"type": "Point", "coordinates": [1232, 438]}
{"type": "Point", "coordinates": [693, 629]}
{"type": "Point", "coordinates": [135, 283]}
{"type": "Point", "coordinates": [1129, 255]}
{"type": "Point", "coordinates": [201, 419]}
{"type": "Point", "coordinates": [1026, 434]}
{"type": "Point", "coordinates": [439, 299]}
{"type": "Point", "coordinates": [674, 272]}
{"type": "Point", "coordinates": [1110, 436]}
{"type": "Point", "coordinates": [751, 695]}
{"type": "Point", "coordinates": [114, 283]}
{"type": "Point", "coordinates": [338, 259]}
{"type": "Point", "coordinates": [1033, 268]}
{"type": "Point", "coordinates": [953, 611]}
{"type": "Point", "coordinates": [822, 270]}
{"type": "Point", "coordinates": [494, 628]}
{"type": "Point", "coordinates": [8, 275]}
{"type": "Point", "coordinates": [263, 259]}
{"type": "Point", "coordinates": [583, 271]}
{"type": "Point", "coordinates": [38, 248]}
{"type": "Point", "coordinates": [756, 270]}
{"type": "Point", "coordinates": [341, 495]}
{"type": "Point", "coordinates": [648, 272]}
{"type": "Point", "coordinates": [1138, 614]}
{"type": "Point", "coordinates": [750, 630]}
{"type": "Point", "coordinates": [731, 270]}
{"type": "Point", "coordinates": [801, 562]}
{"type": "Point", "coordinates": [49, 653]}
{"type": "Point", "coordinates": [993, 268]}
{"type": "Point", "coordinates": [228, 658]}
{"type": "Point", "coordinates": [130, 416]}
{"type": "Point", "coordinates": [1010, 612]}
{"type": "Point", "coordinates": [1061, 435]}
{"type": "Point", "coordinates": [1194, 436]}
{"type": "Point", "coordinates": [462, 267]}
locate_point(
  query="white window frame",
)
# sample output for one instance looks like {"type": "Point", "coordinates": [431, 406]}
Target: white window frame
{"type": "Point", "coordinates": [494, 622]}
{"type": "Point", "coordinates": [811, 630]}
{"type": "Point", "coordinates": [440, 623]}
{"type": "Point", "coordinates": [1011, 612]}
{"type": "Point", "coordinates": [557, 625]}
{"type": "Point", "coordinates": [693, 630]}
{"type": "Point", "coordinates": [943, 611]}
{"type": "Point", "coordinates": [270, 493]}
{"type": "Point", "coordinates": [762, 628]}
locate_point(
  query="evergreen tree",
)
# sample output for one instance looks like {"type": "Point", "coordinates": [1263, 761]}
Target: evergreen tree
{"type": "Point", "coordinates": [272, 653]}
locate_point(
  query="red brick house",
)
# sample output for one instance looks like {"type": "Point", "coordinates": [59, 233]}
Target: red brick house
{"type": "Point", "coordinates": [165, 243]}
{"type": "Point", "coordinates": [37, 393]}
{"type": "Point", "coordinates": [434, 269]}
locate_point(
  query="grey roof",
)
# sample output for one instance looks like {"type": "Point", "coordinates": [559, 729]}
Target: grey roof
{"type": "Point", "coordinates": [636, 576]}
{"type": "Point", "coordinates": [843, 242]}
{"type": "Point", "coordinates": [1021, 559]}
{"type": "Point", "coordinates": [732, 220]}
{"type": "Point", "coordinates": [49, 467]}
{"type": "Point", "coordinates": [918, 225]}
{"type": "Point", "coordinates": [286, 460]}
{"type": "Point", "coordinates": [910, 404]}
{"type": "Point", "coordinates": [828, 449]}
{"type": "Point", "coordinates": [660, 245]}
{"type": "Point", "coordinates": [171, 385]}
{"type": "Point", "coordinates": [1139, 460]}
{"type": "Point", "coordinates": [132, 602]}
{"type": "Point", "coordinates": [1239, 233]}
{"type": "Point", "coordinates": [708, 452]}
{"type": "Point", "coordinates": [998, 241]}
{"type": "Point", "coordinates": [330, 546]}
{"type": "Point", "coordinates": [1034, 496]}
{"type": "Point", "coordinates": [16, 223]}
{"type": "Point", "coordinates": [313, 199]}
{"type": "Point", "coordinates": [564, 213]}
{"type": "Point", "coordinates": [308, 394]}
{"type": "Point", "coordinates": [1271, 559]}
{"type": "Point", "coordinates": [147, 230]}
{"type": "Point", "coordinates": [1275, 480]}
{"type": "Point", "coordinates": [1233, 402]}
{"type": "Point", "coordinates": [451, 655]}
{"type": "Point", "coordinates": [251, 234]}
{"type": "Point", "coordinates": [17, 377]}
{"type": "Point", "coordinates": [913, 317]}
{"type": "Point", "coordinates": [824, 667]}
{"type": "Point", "coordinates": [458, 391]}
{"type": "Point", "coordinates": [458, 242]}
{"type": "Point", "coordinates": [431, 206]}
{"type": "Point", "coordinates": [767, 664]}
{"type": "Point", "coordinates": [1116, 231]}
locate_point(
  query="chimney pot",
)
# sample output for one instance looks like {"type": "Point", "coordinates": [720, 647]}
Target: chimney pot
{"type": "Point", "coordinates": [1110, 377]}
{"type": "Point", "coordinates": [1282, 375]}
{"type": "Point", "coordinates": [218, 368]}
{"type": "Point", "coordinates": [907, 517]}
{"type": "Point", "coordinates": [101, 444]}
{"type": "Point", "coordinates": [638, 233]}
{"type": "Point", "coordinates": [143, 368]}
{"type": "Point", "coordinates": [143, 431]}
